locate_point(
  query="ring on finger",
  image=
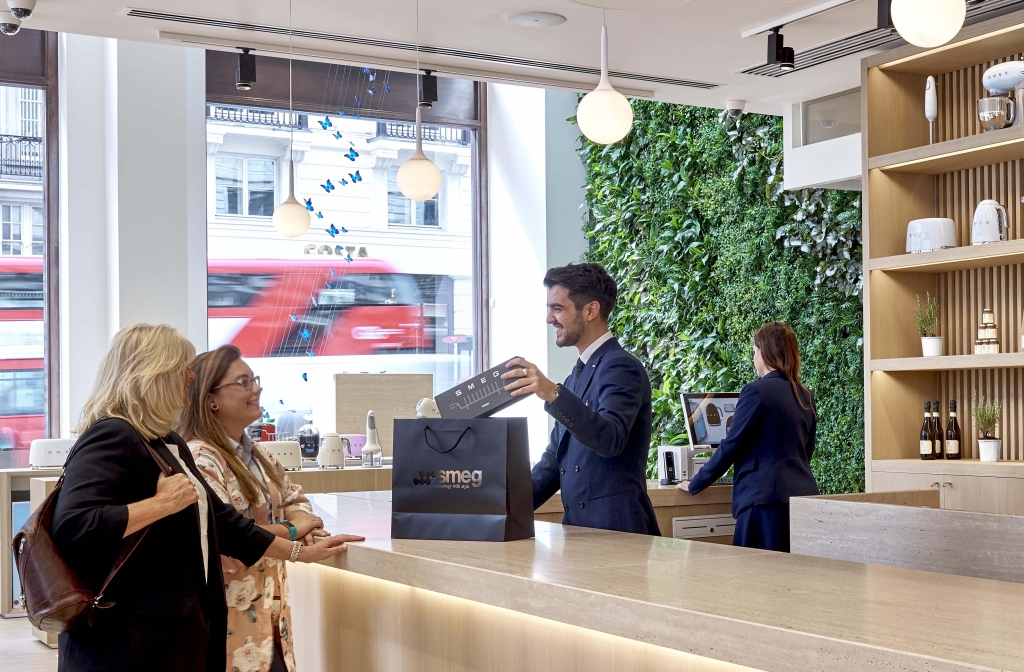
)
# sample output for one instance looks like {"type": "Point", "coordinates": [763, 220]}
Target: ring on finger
{"type": "Point", "coordinates": [525, 373]}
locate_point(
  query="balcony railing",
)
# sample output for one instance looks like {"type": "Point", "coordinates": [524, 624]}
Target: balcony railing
{"type": "Point", "coordinates": [21, 157]}
{"type": "Point", "coordinates": [256, 117]}
{"type": "Point", "coordinates": [445, 135]}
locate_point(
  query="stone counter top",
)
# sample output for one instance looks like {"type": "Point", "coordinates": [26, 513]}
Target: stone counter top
{"type": "Point", "coordinates": [765, 610]}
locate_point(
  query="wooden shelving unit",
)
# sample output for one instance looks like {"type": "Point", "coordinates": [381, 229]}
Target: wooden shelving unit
{"type": "Point", "coordinates": [906, 178]}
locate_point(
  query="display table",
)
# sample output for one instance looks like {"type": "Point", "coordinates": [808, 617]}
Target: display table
{"type": "Point", "coordinates": [581, 599]}
{"type": "Point", "coordinates": [349, 479]}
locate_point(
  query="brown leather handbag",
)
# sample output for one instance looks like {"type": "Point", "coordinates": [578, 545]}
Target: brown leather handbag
{"type": "Point", "coordinates": [55, 598]}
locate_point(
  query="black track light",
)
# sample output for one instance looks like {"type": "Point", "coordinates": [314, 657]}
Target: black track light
{"type": "Point", "coordinates": [788, 61]}
{"type": "Point", "coordinates": [778, 53]}
{"type": "Point", "coordinates": [428, 90]}
{"type": "Point", "coordinates": [245, 75]}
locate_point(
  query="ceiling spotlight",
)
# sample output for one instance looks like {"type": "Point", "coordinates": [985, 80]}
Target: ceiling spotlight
{"type": "Point", "coordinates": [428, 90]}
{"type": "Point", "coordinates": [245, 75]}
{"type": "Point", "coordinates": [779, 54]}
{"type": "Point", "coordinates": [928, 23]}
{"type": "Point", "coordinates": [22, 9]}
{"type": "Point", "coordinates": [9, 23]}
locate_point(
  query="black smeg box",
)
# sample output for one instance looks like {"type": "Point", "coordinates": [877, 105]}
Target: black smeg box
{"type": "Point", "coordinates": [481, 396]}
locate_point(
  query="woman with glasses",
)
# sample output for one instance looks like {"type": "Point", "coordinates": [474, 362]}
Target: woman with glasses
{"type": "Point", "coordinates": [223, 400]}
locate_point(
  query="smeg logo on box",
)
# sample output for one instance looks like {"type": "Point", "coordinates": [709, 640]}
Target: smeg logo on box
{"type": "Point", "coordinates": [451, 479]}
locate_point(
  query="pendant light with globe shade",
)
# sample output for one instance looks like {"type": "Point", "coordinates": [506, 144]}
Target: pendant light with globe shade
{"type": "Point", "coordinates": [418, 178]}
{"type": "Point", "coordinates": [604, 115]}
{"type": "Point", "coordinates": [928, 23]}
{"type": "Point", "coordinates": [291, 218]}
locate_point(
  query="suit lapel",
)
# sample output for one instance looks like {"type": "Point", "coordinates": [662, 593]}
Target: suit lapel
{"type": "Point", "coordinates": [587, 374]}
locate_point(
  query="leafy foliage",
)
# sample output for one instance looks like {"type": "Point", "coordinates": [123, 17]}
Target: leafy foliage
{"type": "Point", "coordinates": [688, 214]}
{"type": "Point", "coordinates": [986, 415]}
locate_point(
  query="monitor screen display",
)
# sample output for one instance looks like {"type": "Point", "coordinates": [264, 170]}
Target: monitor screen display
{"type": "Point", "coordinates": [709, 416]}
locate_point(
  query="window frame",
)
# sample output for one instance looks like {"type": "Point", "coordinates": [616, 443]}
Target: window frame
{"type": "Point", "coordinates": [244, 158]}
{"type": "Point", "coordinates": [442, 224]}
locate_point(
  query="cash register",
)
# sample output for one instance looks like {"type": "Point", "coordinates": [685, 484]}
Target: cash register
{"type": "Point", "coordinates": [708, 420]}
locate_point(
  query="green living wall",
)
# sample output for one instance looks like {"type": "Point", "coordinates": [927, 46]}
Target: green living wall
{"type": "Point", "coordinates": [688, 214]}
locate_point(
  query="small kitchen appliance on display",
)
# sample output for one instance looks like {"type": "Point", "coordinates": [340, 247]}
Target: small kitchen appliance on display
{"type": "Point", "coordinates": [332, 451]}
{"type": "Point", "coordinates": [1004, 107]}
{"type": "Point", "coordinates": [309, 441]}
{"type": "Point", "coordinates": [930, 234]}
{"type": "Point", "coordinates": [48, 453]}
{"type": "Point", "coordinates": [286, 452]}
{"type": "Point", "coordinates": [708, 420]}
{"type": "Point", "coordinates": [990, 223]}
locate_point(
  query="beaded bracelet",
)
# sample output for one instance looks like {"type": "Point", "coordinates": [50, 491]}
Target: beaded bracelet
{"type": "Point", "coordinates": [296, 547]}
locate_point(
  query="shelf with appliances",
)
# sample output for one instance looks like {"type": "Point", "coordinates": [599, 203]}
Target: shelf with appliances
{"type": "Point", "coordinates": [906, 179]}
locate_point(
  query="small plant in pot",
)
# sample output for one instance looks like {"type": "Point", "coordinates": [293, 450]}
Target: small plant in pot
{"type": "Point", "coordinates": [927, 318]}
{"type": "Point", "coordinates": [986, 417]}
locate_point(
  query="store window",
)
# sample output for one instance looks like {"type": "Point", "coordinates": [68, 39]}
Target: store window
{"type": "Point", "coordinates": [378, 284]}
{"type": "Point", "coordinates": [10, 229]}
{"type": "Point", "coordinates": [38, 231]}
{"type": "Point", "coordinates": [403, 211]}
{"type": "Point", "coordinates": [245, 186]}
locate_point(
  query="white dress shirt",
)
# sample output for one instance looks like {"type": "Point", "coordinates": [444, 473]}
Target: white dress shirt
{"type": "Point", "coordinates": [592, 348]}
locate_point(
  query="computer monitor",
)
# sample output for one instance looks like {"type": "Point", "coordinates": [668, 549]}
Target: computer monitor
{"type": "Point", "coordinates": [709, 416]}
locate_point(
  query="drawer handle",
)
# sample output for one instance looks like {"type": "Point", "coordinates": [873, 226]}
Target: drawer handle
{"type": "Point", "coordinates": [934, 485]}
{"type": "Point", "coordinates": [947, 484]}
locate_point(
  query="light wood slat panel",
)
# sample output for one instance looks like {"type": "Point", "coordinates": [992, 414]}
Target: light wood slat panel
{"type": "Point", "coordinates": [958, 195]}
{"type": "Point", "coordinates": [958, 93]}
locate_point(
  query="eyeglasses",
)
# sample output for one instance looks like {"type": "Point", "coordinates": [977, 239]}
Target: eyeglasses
{"type": "Point", "coordinates": [245, 382]}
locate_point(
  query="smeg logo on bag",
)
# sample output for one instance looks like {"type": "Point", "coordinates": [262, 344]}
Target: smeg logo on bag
{"type": "Point", "coordinates": [451, 479]}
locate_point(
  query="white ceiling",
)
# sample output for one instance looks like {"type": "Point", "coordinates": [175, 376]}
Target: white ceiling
{"type": "Point", "coordinates": [695, 40]}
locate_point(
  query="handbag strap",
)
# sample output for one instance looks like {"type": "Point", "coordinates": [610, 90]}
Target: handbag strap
{"type": "Point", "coordinates": [426, 438]}
{"type": "Point", "coordinates": [131, 542]}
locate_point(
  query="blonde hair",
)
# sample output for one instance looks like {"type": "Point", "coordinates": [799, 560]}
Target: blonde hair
{"type": "Point", "coordinates": [199, 423]}
{"type": "Point", "coordinates": [141, 380]}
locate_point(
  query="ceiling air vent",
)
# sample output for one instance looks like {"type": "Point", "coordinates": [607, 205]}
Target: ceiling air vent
{"type": "Point", "coordinates": [409, 46]}
{"type": "Point", "coordinates": [874, 39]}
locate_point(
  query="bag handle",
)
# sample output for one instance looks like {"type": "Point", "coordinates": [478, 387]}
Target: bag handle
{"type": "Point", "coordinates": [130, 543]}
{"type": "Point", "coordinates": [438, 450]}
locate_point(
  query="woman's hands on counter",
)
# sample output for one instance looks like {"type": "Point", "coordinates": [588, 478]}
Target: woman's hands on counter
{"type": "Point", "coordinates": [325, 547]}
{"type": "Point", "coordinates": [684, 485]}
{"type": "Point", "coordinates": [308, 528]}
{"type": "Point", "coordinates": [173, 493]}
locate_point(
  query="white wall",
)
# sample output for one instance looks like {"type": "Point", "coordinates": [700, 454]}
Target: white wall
{"type": "Point", "coordinates": [535, 181]}
{"type": "Point", "coordinates": [133, 195]}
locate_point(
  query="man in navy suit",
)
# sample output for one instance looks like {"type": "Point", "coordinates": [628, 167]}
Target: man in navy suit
{"type": "Point", "coordinates": [599, 446]}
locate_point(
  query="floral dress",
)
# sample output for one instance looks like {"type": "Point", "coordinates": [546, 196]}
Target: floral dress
{"type": "Point", "coordinates": [257, 597]}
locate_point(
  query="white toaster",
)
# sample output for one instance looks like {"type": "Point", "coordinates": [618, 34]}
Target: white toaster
{"type": "Point", "coordinates": [931, 233]}
{"type": "Point", "coordinates": [286, 452]}
{"type": "Point", "coordinates": [49, 453]}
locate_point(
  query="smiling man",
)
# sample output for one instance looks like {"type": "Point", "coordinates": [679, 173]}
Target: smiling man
{"type": "Point", "coordinates": [598, 450]}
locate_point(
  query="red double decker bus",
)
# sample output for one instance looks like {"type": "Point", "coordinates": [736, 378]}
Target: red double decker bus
{"type": "Point", "coordinates": [266, 307]}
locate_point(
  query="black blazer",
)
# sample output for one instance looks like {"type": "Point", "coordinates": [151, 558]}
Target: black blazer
{"type": "Point", "coordinates": [599, 446]}
{"type": "Point", "coordinates": [167, 615]}
{"type": "Point", "coordinates": [770, 442]}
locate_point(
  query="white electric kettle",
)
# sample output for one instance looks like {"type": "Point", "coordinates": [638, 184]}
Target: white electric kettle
{"type": "Point", "coordinates": [990, 223]}
{"type": "Point", "coordinates": [332, 451]}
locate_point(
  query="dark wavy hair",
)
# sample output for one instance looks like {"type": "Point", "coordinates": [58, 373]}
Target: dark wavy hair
{"type": "Point", "coordinates": [585, 283]}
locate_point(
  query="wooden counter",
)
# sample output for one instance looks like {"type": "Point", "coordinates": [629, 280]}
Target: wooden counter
{"type": "Point", "coordinates": [669, 502]}
{"type": "Point", "coordinates": [349, 479]}
{"type": "Point", "coordinates": [582, 599]}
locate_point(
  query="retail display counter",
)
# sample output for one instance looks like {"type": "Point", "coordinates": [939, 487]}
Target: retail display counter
{"type": "Point", "coordinates": [581, 599]}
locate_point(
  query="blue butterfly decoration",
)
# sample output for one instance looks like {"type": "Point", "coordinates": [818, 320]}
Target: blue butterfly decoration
{"type": "Point", "coordinates": [333, 231]}
{"type": "Point", "coordinates": [281, 401]}
{"type": "Point", "coordinates": [372, 90]}
{"type": "Point", "coordinates": [359, 103]}
{"type": "Point", "coordinates": [341, 113]}
{"type": "Point", "coordinates": [344, 182]}
{"type": "Point", "coordinates": [305, 334]}
{"type": "Point", "coordinates": [357, 116]}
{"type": "Point", "coordinates": [366, 70]}
{"type": "Point", "coordinates": [337, 134]}
{"type": "Point", "coordinates": [328, 187]}
{"type": "Point", "coordinates": [304, 375]}
{"type": "Point", "coordinates": [295, 318]}
{"type": "Point", "coordinates": [309, 204]}
{"type": "Point", "coordinates": [356, 177]}
{"type": "Point", "coordinates": [326, 123]}
{"type": "Point", "coordinates": [387, 89]}
{"type": "Point", "coordinates": [351, 154]}
{"type": "Point", "coordinates": [338, 250]}
{"type": "Point", "coordinates": [348, 258]}
{"type": "Point", "coordinates": [332, 272]}
{"type": "Point", "coordinates": [319, 215]}
{"type": "Point", "coordinates": [344, 230]}
{"type": "Point", "coordinates": [266, 416]}
{"type": "Point", "coordinates": [373, 76]}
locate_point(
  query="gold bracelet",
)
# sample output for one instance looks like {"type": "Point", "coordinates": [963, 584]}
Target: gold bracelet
{"type": "Point", "coordinates": [296, 547]}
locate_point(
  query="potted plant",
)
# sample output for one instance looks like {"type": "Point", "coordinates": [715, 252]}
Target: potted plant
{"type": "Point", "coordinates": [927, 318]}
{"type": "Point", "coordinates": [986, 417]}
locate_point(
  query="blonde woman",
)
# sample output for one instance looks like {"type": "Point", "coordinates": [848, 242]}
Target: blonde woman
{"type": "Point", "coordinates": [224, 399]}
{"type": "Point", "coordinates": [165, 609]}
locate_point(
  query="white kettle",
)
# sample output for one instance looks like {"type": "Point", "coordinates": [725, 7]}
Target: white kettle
{"type": "Point", "coordinates": [990, 223]}
{"type": "Point", "coordinates": [332, 451]}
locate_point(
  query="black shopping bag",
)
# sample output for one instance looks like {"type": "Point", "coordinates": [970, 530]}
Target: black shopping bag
{"type": "Point", "coordinates": [461, 480]}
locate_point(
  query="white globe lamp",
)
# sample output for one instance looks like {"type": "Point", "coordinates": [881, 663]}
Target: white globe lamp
{"type": "Point", "coordinates": [928, 23]}
{"type": "Point", "coordinates": [418, 178]}
{"type": "Point", "coordinates": [604, 115]}
{"type": "Point", "coordinates": [291, 218]}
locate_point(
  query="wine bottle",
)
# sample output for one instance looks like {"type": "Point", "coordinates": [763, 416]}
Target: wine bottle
{"type": "Point", "coordinates": [937, 433]}
{"type": "Point", "coordinates": [927, 446]}
{"type": "Point", "coordinates": [952, 434]}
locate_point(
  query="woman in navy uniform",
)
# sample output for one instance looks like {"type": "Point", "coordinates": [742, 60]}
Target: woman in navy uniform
{"type": "Point", "coordinates": [770, 443]}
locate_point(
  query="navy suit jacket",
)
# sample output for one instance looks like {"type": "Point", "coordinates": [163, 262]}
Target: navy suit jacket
{"type": "Point", "coordinates": [598, 450]}
{"type": "Point", "coordinates": [771, 442]}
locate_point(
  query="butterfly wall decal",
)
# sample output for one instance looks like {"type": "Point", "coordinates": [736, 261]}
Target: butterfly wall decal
{"type": "Point", "coordinates": [326, 123]}
{"type": "Point", "coordinates": [328, 187]}
{"type": "Point", "coordinates": [337, 134]}
{"type": "Point", "coordinates": [309, 204]}
{"type": "Point", "coordinates": [319, 215]}
{"type": "Point", "coordinates": [356, 177]}
{"type": "Point", "coordinates": [333, 231]}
